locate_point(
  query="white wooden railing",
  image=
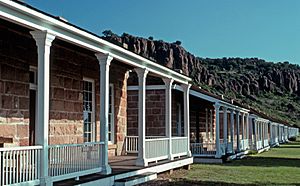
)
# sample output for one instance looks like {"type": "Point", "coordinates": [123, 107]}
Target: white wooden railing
{"type": "Point", "coordinates": [259, 145]}
{"type": "Point", "coordinates": [229, 147]}
{"type": "Point", "coordinates": [19, 165]}
{"type": "Point", "coordinates": [179, 146]}
{"type": "Point", "coordinates": [131, 144]}
{"type": "Point", "coordinates": [156, 149]}
{"type": "Point", "coordinates": [72, 160]}
{"type": "Point", "coordinates": [203, 149]}
{"type": "Point", "coordinates": [266, 142]}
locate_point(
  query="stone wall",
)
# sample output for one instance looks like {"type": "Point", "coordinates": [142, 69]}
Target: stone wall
{"type": "Point", "coordinates": [201, 114]}
{"type": "Point", "coordinates": [15, 57]}
{"type": "Point", "coordinates": [155, 112]}
{"type": "Point", "coordinates": [68, 64]}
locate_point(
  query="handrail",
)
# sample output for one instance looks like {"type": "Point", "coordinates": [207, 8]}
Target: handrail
{"type": "Point", "coordinates": [157, 139]}
{"type": "Point", "coordinates": [21, 148]}
{"type": "Point", "coordinates": [77, 145]}
{"type": "Point", "coordinates": [179, 137]}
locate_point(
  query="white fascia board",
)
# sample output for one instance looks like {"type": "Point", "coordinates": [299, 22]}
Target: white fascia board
{"type": "Point", "coordinates": [259, 118]}
{"type": "Point", "coordinates": [148, 87]}
{"type": "Point", "coordinates": [30, 18]}
{"type": "Point", "coordinates": [214, 100]}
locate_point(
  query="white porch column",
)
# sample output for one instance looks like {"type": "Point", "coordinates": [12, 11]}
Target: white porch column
{"type": "Point", "coordinates": [218, 146]}
{"type": "Point", "coordinates": [211, 125]}
{"type": "Point", "coordinates": [247, 129]}
{"type": "Point", "coordinates": [142, 75]}
{"type": "Point", "coordinates": [250, 133]}
{"type": "Point", "coordinates": [238, 130]}
{"type": "Point", "coordinates": [243, 131]}
{"type": "Point", "coordinates": [271, 134]}
{"type": "Point", "coordinates": [263, 133]}
{"type": "Point", "coordinates": [232, 129]}
{"type": "Point", "coordinates": [255, 133]}
{"type": "Point", "coordinates": [225, 128]}
{"type": "Point", "coordinates": [43, 42]}
{"type": "Point", "coordinates": [186, 103]}
{"type": "Point", "coordinates": [104, 62]}
{"type": "Point", "coordinates": [168, 92]}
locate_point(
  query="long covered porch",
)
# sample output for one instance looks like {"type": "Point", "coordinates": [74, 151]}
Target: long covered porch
{"type": "Point", "coordinates": [218, 128]}
{"type": "Point", "coordinates": [164, 132]}
{"type": "Point", "coordinates": [86, 107]}
{"type": "Point", "coordinates": [261, 132]}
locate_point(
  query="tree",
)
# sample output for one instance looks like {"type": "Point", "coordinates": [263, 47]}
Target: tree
{"type": "Point", "coordinates": [107, 33]}
{"type": "Point", "coordinates": [178, 42]}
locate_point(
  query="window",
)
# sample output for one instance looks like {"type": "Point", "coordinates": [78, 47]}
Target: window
{"type": "Point", "coordinates": [32, 103]}
{"type": "Point", "coordinates": [88, 110]}
{"type": "Point", "coordinates": [111, 125]}
{"type": "Point", "coordinates": [32, 78]}
{"type": "Point", "coordinates": [178, 120]}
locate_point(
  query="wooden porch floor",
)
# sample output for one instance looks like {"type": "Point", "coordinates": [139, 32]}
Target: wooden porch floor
{"type": "Point", "coordinates": [125, 163]}
{"type": "Point", "coordinates": [119, 164]}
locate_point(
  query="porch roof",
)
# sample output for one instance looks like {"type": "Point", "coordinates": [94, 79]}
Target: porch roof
{"type": "Point", "coordinates": [28, 16]}
{"type": "Point", "coordinates": [203, 94]}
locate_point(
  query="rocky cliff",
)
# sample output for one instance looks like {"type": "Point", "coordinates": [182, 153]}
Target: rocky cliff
{"type": "Point", "coordinates": [274, 88]}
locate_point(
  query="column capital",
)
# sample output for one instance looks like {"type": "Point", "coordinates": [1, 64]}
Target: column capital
{"type": "Point", "coordinates": [104, 59]}
{"type": "Point", "coordinates": [217, 106]}
{"type": "Point", "coordinates": [186, 87]}
{"type": "Point", "coordinates": [168, 81]}
{"type": "Point", "coordinates": [237, 112]}
{"type": "Point", "coordinates": [42, 38]}
{"type": "Point", "coordinates": [141, 72]}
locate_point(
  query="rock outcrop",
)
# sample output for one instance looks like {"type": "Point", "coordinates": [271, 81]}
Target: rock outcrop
{"type": "Point", "coordinates": [235, 77]}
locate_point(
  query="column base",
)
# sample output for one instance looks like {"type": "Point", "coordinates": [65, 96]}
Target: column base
{"type": "Point", "coordinates": [106, 170]}
{"type": "Point", "coordinates": [189, 153]}
{"type": "Point", "coordinates": [141, 162]}
{"type": "Point", "coordinates": [46, 181]}
{"type": "Point", "coordinates": [218, 156]}
{"type": "Point", "coordinates": [171, 158]}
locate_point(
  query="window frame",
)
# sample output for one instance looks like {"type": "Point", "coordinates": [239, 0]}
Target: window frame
{"type": "Point", "coordinates": [179, 121]}
{"type": "Point", "coordinates": [93, 117]}
{"type": "Point", "coordinates": [33, 86]}
{"type": "Point", "coordinates": [112, 114]}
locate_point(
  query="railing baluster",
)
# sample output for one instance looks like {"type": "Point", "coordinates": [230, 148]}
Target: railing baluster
{"type": "Point", "coordinates": [6, 168]}
{"type": "Point", "coordinates": [1, 165]}
{"type": "Point", "coordinates": [14, 167]}
{"type": "Point", "coordinates": [10, 166]}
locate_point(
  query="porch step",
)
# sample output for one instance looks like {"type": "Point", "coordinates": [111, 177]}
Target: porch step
{"type": "Point", "coordinates": [208, 160]}
{"type": "Point", "coordinates": [137, 179]}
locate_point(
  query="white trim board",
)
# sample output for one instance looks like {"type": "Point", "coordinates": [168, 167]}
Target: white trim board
{"type": "Point", "coordinates": [148, 87]}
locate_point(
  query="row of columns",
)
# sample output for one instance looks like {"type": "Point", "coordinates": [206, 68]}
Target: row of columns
{"type": "Point", "coordinates": [208, 126]}
{"type": "Point", "coordinates": [142, 75]}
{"type": "Point", "coordinates": [245, 129]}
{"type": "Point", "coordinates": [43, 42]}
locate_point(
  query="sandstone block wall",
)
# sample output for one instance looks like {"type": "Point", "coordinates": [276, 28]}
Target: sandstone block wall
{"type": "Point", "coordinates": [155, 112]}
{"type": "Point", "coordinates": [68, 64]}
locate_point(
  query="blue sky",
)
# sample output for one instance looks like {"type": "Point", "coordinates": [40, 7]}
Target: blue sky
{"type": "Point", "coordinates": [267, 29]}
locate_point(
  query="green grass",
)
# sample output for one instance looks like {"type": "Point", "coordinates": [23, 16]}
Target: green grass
{"type": "Point", "coordinates": [278, 166]}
